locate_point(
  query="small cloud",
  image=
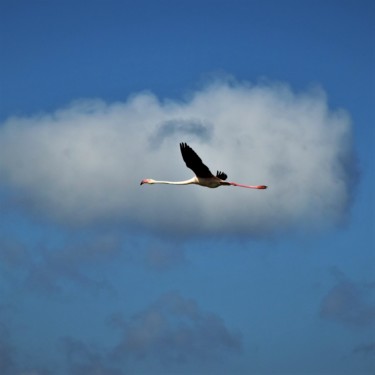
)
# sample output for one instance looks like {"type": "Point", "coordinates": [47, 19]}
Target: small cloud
{"type": "Point", "coordinates": [174, 330]}
{"type": "Point", "coordinates": [349, 302]}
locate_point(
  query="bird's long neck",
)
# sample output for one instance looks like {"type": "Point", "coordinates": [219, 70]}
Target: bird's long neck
{"type": "Point", "coordinates": [185, 182]}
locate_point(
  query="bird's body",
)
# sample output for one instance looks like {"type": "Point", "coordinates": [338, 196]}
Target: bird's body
{"type": "Point", "coordinates": [203, 175]}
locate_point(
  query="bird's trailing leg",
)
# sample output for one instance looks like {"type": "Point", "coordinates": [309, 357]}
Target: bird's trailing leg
{"type": "Point", "coordinates": [248, 186]}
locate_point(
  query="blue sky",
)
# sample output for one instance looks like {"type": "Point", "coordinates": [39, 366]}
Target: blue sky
{"type": "Point", "coordinates": [99, 275]}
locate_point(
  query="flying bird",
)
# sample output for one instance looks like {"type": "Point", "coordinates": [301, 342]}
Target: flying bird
{"type": "Point", "coordinates": [203, 175]}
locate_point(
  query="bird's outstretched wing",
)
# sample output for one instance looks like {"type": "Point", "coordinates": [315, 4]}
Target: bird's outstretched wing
{"type": "Point", "coordinates": [194, 162]}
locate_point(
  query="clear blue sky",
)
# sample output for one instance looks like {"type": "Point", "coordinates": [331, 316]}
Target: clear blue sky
{"type": "Point", "coordinates": [99, 275]}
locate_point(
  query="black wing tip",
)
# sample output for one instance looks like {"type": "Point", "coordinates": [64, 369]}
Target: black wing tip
{"type": "Point", "coordinates": [185, 148]}
{"type": "Point", "coordinates": [221, 175]}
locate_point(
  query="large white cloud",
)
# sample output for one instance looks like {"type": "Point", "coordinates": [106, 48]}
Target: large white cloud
{"type": "Point", "coordinates": [83, 163]}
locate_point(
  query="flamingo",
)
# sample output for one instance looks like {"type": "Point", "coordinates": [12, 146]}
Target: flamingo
{"type": "Point", "coordinates": [203, 175]}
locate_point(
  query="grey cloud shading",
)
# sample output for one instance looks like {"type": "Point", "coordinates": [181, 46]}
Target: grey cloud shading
{"type": "Point", "coordinates": [10, 363]}
{"type": "Point", "coordinates": [55, 266]}
{"type": "Point", "coordinates": [82, 164]}
{"type": "Point", "coordinates": [83, 359]}
{"type": "Point", "coordinates": [172, 333]}
{"type": "Point", "coordinates": [182, 128]}
{"type": "Point", "coordinates": [365, 349]}
{"type": "Point", "coordinates": [13, 253]}
{"type": "Point", "coordinates": [7, 365]}
{"type": "Point", "coordinates": [348, 302]}
{"type": "Point", "coordinates": [50, 269]}
{"type": "Point", "coordinates": [163, 256]}
{"type": "Point", "coordinates": [36, 371]}
{"type": "Point", "coordinates": [174, 330]}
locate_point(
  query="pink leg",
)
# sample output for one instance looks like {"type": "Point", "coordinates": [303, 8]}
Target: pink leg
{"type": "Point", "coordinates": [249, 186]}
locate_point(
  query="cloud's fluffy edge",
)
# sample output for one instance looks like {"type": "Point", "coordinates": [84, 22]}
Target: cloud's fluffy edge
{"type": "Point", "coordinates": [83, 163]}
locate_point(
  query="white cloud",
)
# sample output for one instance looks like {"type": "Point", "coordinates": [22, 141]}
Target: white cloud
{"type": "Point", "coordinates": [83, 163]}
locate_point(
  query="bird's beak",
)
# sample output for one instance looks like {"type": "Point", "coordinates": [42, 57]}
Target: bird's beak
{"type": "Point", "coordinates": [142, 182]}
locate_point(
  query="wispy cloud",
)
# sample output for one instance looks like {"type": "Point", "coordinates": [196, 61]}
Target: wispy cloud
{"type": "Point", "coordinates": [82, 164]}
{"type": "Point", "coordinates": [163, 256]}
{"type": "Point", "coordinates": [174, 330]}
{"type": "Point", "coordinates": [10, 362]}
{"type": "Point", "coordinates": [349, 302]}
{"type": "Point", "coordinates": [365, 349]}
{"type": "Point", "coordinates": [51, 269]}
{"type": "Point", "coordinates": [72, 263]}
{"type": "Point", "coordinates": [172, 333]}
{"type": "Point", "coordinates": [83, 359]}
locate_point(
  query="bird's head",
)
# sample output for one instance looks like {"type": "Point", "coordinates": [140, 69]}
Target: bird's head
{"type": "Point", "coordinates": [147, 181]}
